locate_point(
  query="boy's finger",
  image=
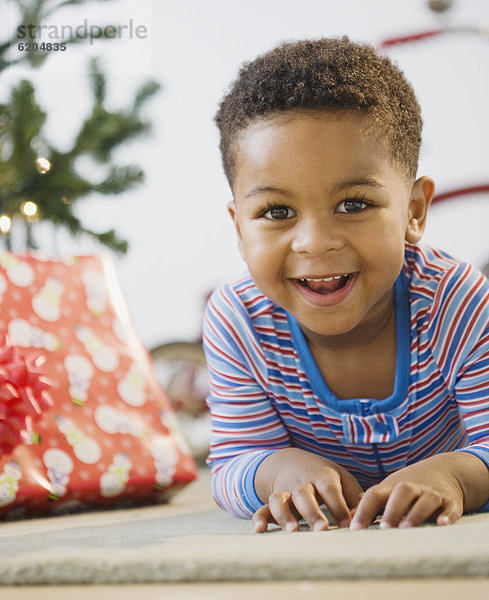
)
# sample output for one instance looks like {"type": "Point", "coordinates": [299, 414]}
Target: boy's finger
{"type": "Point", "coordinates": [371, 504]}
{"type": "Point", "coordinates": [281, 509]}
{"type": "Point", "coordinates": [262, 518]}
{"type": "Point", "coordinates": [306, 504]}
{"type": "Point", "coordinates": [401, 501]}
{"type": "Point", "coordinates": [449, 514]}
{"type": "Point", "coordinates": [332, 495]}
{"type": "Point", "coordinates": [352, 491]}
{"type": "Point", "coordinates": [424, 508]}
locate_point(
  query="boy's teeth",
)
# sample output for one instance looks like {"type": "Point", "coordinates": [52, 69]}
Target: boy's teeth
{"type": "Point", "coordinates": [324, 278]}
{"type": "Point", "coordinates": [325, 285]}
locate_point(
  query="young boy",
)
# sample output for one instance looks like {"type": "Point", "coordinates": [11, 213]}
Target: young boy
{"type": "Point", "coordinates": [351, 368]}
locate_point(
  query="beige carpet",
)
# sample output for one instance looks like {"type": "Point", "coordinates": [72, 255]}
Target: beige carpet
{"type": "Point", "coordinates": [191, 540]}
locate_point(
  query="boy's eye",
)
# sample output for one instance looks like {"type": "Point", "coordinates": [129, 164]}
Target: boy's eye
{"type": "Point", "coordinates": [279, 213]}
{"type": "Point", "coordinates": [352, 206]}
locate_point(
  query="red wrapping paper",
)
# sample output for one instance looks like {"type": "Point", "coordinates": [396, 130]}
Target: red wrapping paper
{"type": "Point", "coordinates": [83, 420]}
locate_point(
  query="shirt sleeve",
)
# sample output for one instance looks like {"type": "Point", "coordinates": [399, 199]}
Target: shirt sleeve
{"type": "Point", "coordinates": [464, 354]}
{"type": "Point", "coordinates": [472, 393]}
{"type": "Point", "coordinates": [245, 426]}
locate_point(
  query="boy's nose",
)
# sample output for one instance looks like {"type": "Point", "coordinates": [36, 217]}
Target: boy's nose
{"type": "Point", "coordinates": [316, 238]}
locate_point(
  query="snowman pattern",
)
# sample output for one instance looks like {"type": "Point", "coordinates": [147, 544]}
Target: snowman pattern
{"type": "Point", "coordinates": [113, 421]}
{"type": "Point", "coordinates": [47, 302]}
{"type": "Point", "coordinates": [85, 449]}
{"type": "Point", "coordinates": [165, 457]}
{"type": "Point", "coordinates": [59, 466]}
{"type": "Point", "coordinates": [26, 335]}
{"type": "Point", "coordinates": [9, 482]}
{"type": "Point", "coordinates": [132, 387]}
{"type": "Point", "coordinates": [113, 481]}
{"type": "Point", "coordinates": [95, 290]}
{"type": "Point", "coordinates": [80, 373]}
{"type": "Point", "coordinates": [104, 357]}
{"type": "Point", "coordinates": [19, 272]}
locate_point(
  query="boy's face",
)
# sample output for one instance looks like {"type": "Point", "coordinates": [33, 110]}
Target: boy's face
{"type": "Point", "coordinates": [322, 213]}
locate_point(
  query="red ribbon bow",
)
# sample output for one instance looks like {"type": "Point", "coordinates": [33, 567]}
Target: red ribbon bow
{"type": "Point", "coordinates": [23, 395]}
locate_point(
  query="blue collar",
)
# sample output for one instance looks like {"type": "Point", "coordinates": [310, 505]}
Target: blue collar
{"type": "Point", "coordinates": [403, 346]}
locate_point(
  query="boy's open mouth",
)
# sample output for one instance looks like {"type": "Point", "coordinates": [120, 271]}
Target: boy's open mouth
{"type": "Point", "coordinates": [325, 285]}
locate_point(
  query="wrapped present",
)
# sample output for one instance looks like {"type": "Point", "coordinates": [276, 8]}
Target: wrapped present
{"type": "Point", "coordinates": [83, 420]}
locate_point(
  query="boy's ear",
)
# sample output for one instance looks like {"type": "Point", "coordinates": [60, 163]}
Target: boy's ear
{"type": "Point", "coordinates": [422, 194]}
{"type": "Point", "coordinates": [234, 216]}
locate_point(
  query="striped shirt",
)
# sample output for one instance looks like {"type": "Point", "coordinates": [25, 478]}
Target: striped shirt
{"type": "Point", "coordinates": [267, 393]}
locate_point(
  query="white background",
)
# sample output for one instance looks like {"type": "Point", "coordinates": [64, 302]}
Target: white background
{"type": "Point", "coordinates": [181, 238]}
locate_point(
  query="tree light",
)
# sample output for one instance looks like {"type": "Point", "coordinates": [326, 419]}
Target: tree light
{"type": "Point", "coordinates": [43, 165]}
{"type": "Point", "coordinates": [29, 209]}
{"type": "Point", "coordinates": [5, 223]}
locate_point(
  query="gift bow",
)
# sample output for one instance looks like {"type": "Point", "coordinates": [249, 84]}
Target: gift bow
{"type": "Point", "coordinates": [23, 395]}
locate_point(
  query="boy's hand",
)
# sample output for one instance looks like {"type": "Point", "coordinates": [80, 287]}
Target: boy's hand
{"type": "Point", "coordinates": [439, 488]}
{"type": "Point", "coordinates": [294, 483]}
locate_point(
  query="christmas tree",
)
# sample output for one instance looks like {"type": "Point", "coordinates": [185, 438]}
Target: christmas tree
{"type": "Point", "coordinates": [38, 187]}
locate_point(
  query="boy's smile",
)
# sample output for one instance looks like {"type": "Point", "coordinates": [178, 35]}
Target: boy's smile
{"type": "Point", "coordinates": [325, 291]}
{"type": "Point", "coordinates": [322, 213]}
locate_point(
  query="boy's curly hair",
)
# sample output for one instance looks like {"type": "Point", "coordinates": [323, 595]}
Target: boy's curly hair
{"type": "Point", "coordinates": [330, 74]}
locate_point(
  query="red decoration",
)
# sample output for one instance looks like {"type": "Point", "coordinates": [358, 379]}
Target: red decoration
{"type": "Point", "coordinates": [23, 395]}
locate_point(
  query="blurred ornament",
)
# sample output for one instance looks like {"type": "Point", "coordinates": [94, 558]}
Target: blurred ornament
{"type": "Point", "coordinates": [181, 369]}
{"type": "Point", "coordinates": [23, 395]}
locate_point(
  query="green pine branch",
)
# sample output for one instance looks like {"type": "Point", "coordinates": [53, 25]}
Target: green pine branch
{"type": "Point", "coordinates": [55, 193]}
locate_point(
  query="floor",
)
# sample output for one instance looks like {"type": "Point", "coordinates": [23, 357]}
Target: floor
{"type": "Point", "coordinates": [432, 589]}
